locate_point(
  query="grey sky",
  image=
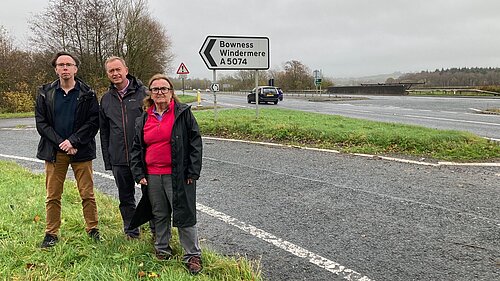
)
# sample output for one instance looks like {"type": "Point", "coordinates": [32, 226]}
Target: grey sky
{"type": "Point", "coordinates": [343, 38]}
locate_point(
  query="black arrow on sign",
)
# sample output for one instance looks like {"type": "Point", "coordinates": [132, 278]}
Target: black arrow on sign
{"type": "Point", "coordinates": [207, 52]}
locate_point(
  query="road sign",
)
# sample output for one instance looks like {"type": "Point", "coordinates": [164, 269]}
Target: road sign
{"type": "Point", "coordinates": [231, 52]}
{"type": "Point", "coordinates": [317, 74]}
{"type": "Point", "coordinates": [182, 69]}
{"type": "Point", "coordinates": [215, 87]}
{"type": "Point", "coordinates": [317, 81]}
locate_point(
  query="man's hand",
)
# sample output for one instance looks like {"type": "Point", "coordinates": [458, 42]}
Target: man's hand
{"type": "Point", "coordinates": [72, 151]}
{"type": "Point", "coordinates": [66, 146]}
{"type": "Point", "coordinates": [143, 181]}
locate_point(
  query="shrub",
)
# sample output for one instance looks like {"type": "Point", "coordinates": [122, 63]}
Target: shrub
{"type": "Point", "coordinates": [11, 102]}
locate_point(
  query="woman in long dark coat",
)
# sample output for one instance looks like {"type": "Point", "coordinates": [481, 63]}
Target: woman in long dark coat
{"type": "Point", "coordinates": [166, 159]}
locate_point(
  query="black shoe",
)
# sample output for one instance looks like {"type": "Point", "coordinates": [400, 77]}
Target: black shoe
{"type": "Point", "coordinates": [94, 234]}
{"type": "Point", "coordinates": [49, 241]}
{"type": "Point", "coordinates": [131, 237]}
{"type": "Point", "coordinates": [194, 265]}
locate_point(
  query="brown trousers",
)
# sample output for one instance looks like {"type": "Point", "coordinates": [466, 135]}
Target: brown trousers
{"type": "Point", "coordinates": [55, 174]}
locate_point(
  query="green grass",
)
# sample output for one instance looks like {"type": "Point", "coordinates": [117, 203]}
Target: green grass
{"type": "Point", "coordinates": [186, 98]}
{"type": "Point", "coordinates": [17, 115]}
{"type": "Point", "coordinates": [346, 134]}
{"type": "Point", "coordinates": [77, 257]}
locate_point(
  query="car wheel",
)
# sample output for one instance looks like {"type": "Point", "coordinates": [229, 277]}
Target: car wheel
{"type": "Point", "coordinates": [275, 102]}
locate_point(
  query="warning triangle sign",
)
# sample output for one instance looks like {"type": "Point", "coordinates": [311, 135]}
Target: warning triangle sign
{"type": "Point", "coordinates": [182, 69]}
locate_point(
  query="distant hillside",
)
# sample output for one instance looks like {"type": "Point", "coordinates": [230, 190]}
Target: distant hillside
{"type": "Point", "coordinates": [354, 81]}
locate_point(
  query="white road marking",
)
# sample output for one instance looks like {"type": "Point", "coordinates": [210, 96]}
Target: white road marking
{"type": "Point", "coordinates": [298, 251]}
{"type": "Point", "coordinates": [452, 120]}
{"type": "Point", "coordinates": [22, 158]}
{"type": "Point", "coordinates": [363, 155]}
{"type": "Point", "coordinates": [18, 129]}
{"type": "Point", "coordinates": [493, 139]}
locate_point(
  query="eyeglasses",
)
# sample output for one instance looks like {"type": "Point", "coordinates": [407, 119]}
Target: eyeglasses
{"type": "Point", "coordinates": [61, 65]}
{"type": "Point", "coordinates": [164, 90]}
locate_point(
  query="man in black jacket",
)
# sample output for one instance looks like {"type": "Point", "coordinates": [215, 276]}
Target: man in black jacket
{"type": "Point", "coordinates": [67, 119]}
{"type": "Point", "coordinates": [120, 106]}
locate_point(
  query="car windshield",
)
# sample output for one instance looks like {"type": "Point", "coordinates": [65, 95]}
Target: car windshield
{"type": "Point", "coordinates": [269, 91]}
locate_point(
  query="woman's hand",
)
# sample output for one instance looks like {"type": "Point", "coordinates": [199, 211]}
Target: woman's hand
{"type": "Point", "coordinates": [143, 181]}
{"type": "Point", "coordinates": [189, 181]}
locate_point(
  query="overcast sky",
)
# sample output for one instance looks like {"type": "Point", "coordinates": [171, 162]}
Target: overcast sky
{"type": "Point", "coordinates": [343, 38]}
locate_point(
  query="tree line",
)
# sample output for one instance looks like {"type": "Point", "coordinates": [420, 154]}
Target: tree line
{"type": "Point", "coordinates": [453, 77]}
{"type": "Point", "coordinates": [294, 75]}
{"type": "Point", "coordinates": [93, 30]}
{"type": "Point", "coordinates": [96, 29]}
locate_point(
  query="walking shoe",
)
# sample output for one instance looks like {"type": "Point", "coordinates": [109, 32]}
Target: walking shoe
{"type": "Point", "coordinates": [94, 234]}
{"type": "Point", "coordinates": [194, 265]}
{"type": "Point", "coordinates": [49, 241]}
{"type": "Point", "coordinates": [131, 237]}
{"type": "Point", "coordinates": [163, 256]}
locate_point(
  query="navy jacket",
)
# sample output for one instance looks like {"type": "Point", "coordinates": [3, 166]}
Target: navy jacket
{"type": "Point", "coordinates": [85, 126]}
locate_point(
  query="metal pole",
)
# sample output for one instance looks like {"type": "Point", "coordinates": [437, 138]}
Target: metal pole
{"type": "Point", "coordinates": [182, 85]}
{"type": "Point", "coordinates": [321, 77]}
{"type": "Point", "coordinates": [256, 93]}
{"type": "Point", "coordinates": [215, 95]}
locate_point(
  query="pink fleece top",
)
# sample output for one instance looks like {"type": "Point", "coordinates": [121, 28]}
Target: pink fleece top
{"type": "Point", "coordinates": [157, 136]}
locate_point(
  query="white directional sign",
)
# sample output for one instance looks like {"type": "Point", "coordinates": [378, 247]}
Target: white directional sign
{"type": "Point", "coordinates": [231, 52]}
{"type": "Point", "coordinates": [215, 87]}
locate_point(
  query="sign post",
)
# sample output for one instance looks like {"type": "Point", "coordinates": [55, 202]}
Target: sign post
{"type": "Point", "coordinates": [212, 88]}
{"type": "Point", "coordinates": [183, 72]}
{"type": "Point", "coordinates": [317, 80]}
{"type": "Point", "coordinates": [236, 53]}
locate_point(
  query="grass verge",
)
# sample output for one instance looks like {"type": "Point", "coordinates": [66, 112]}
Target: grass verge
{"type": "Point", "coordinates": [77, 257]}
{"type": "Point", "coordinates": [346, 134]}
{"type": "Point", "coordinates": [17, 115]}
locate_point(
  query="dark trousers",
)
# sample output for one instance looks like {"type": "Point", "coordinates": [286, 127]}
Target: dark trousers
{"type": "Point", "coordinates": [126, 194]}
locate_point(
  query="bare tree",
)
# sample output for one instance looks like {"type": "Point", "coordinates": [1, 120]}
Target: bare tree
{"type": "Point", "coordinates": [97, 29]}
{"type": "Point", "coordinates": [296, 76]}
{"type": "Point", "coordinates": [5, 52]}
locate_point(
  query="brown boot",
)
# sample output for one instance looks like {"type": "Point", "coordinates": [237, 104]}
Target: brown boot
{"type": "Point", "coordinates": [194, 265]}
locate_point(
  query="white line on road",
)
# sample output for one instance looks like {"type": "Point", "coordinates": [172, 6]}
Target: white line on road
{"type": "Point", "coordinates": [494, 164]}
{"type": "Point", "coordinates": [298, 251]}
{"type": "Point", "coordinates": [451, 120]}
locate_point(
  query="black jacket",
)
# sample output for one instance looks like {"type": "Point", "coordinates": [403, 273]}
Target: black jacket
{"type": "Point", "coordinates": [186, 163]}
{"type": "Point", "coordinates": [84, 129]}
{"type": "Point", "coordinates": [116, 120]}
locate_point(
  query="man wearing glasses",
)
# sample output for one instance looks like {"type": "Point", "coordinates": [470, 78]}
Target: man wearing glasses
{"type": "Point", "coordinates": [119, 108]}
{"type": "Point", "coordinates": [67, 119]}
